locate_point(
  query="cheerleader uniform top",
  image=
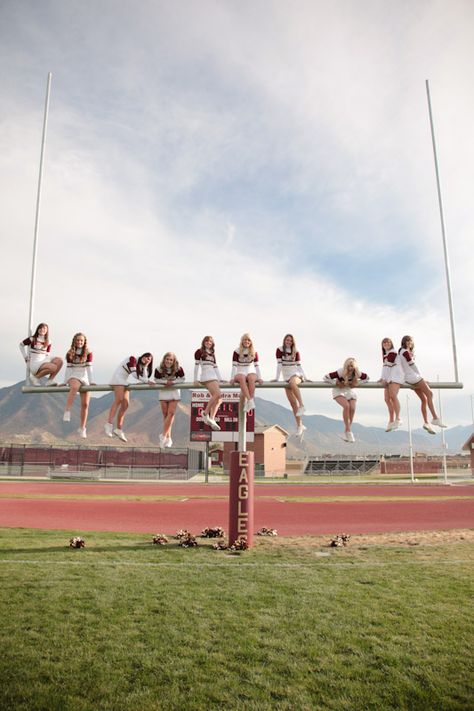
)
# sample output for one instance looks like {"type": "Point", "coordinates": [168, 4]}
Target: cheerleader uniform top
{"type": "Point", "coordinates": [392, 371]}
{"type": "Point", "coordinates": [410, 370]}
{"type": "Point", "coordinates": [79, 369]}
{"type": "Point", "coordinates": [244, 363]}
{"type": "Point", "coordinates": [142, 377]}
{"type": "Point", "coordinates": [35, 352]}
{"type": "Point", "coordinates": [163, 376]}
{"type": "Point", "coordinates": [288, 363]}
{"type": "Point", "coordinates": [207, 362]}
{"type": "Point", "coordinates": [344, 389]}
{"type": "Point", "coordinates": [126, 368]}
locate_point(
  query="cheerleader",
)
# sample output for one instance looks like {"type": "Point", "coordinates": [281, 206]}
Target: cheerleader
{"type": "Point", "coordinates": [413, 378]}
{"type": "Point", "coordinates": [169, 373]}
{"type": "Point", "coordinates": [392, 378]}
{"type": "Point", "coordinates": [289, 364]}
{"type": "Point", "coordinates": [205, 360]}
{"type": "Point", "coordinates": [141, 369]}
{"type": "Point", "coordinates": [78, 372]}
{"type": "Point", "coordinates": [246, 370]}
{"type": "Point", "coordinates": [345, 380]}
{"type": "Point", "coordinates": [36, 352]}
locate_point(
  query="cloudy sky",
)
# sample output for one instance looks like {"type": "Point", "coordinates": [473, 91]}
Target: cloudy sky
{"type": "Point", "coordinates": [234, 165]}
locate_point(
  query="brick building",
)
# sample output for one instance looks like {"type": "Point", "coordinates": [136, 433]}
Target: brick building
{"type": "Point", "coordinates": [469, 446]}
{"type": "Point", "coordinates": [269, 447]}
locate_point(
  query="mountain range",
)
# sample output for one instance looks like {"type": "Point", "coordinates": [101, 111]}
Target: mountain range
{"type": "Point", "coordinates": [37, 418]}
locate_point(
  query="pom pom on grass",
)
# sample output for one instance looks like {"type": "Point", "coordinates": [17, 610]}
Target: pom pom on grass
{"type": "Point", "coordinates": [182, 533]}
{"type": "Point", "coordinates": [239, 545]}
{"type": "Point", "coordinates": [267, 532]}
{"type": "Point", "coordinates": [187, 540]}
{"type": "Point", "coordinates": [215, 532]}
{"type": "Point", "coordinates": [159, 539]}
{"type": "Point", "coordinates": [340, 540]}
{"type": "Point", "coordinates": [77, 542]}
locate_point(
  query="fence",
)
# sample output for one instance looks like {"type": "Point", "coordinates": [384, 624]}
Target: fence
{"type": "Point", "coordinates": [99, 462]}
{"type": "Point", "coordinates": [457, 467]}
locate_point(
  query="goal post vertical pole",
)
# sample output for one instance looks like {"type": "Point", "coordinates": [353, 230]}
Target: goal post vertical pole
{"type": "Point", "coordinates": [241, 486]}
{"type": "Point", "coordinates": [37, 213]}
{"type": "Point", "coordinates": [443, 233]}
{"type": "Point", "coordinates": [443, 440]}
{"type": "Point", "coordinates": [410, 443]}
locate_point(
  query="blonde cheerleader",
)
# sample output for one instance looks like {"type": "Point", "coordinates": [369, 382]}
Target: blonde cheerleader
{"type": "Point", "coordinates": [78, 372]}
{"type": "Point", "coordinates": [246, 371]}
{"type": "Point", "coordinates": [345, 379]}
{"type": "Point", "coordinates": [170, 374]}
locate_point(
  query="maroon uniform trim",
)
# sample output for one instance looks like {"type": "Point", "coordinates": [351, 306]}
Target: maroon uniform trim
{"type": "Point", "coordinates": [77, 359]}
{"type": "Point", "coordinates": [37, 346]}
{"type": "Point", "coordinates": [201, 356]}
{"type": "Point", "coordinates": [130, 365]}
{"type": "Point", "coordinates": [337, 375]}
{"type": "Point", "coordinates": [238, 359]}
{"type": "Point", "coordinates": [288, 358]}
{"type": "Point", "coordinates": [166, 374]}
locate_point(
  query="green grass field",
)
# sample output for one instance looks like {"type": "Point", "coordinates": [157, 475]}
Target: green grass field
{"type": "Point", "coordinates": [291, 624]}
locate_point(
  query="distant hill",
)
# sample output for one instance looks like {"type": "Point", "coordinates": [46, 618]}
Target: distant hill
{"type": "Point", "coordinates": [38, 419]}
{"type": "Point", "coordinates": [323, 435]}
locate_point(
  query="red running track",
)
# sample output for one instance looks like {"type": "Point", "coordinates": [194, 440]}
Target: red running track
{"type": "Point", "coordinates": [289, 518]}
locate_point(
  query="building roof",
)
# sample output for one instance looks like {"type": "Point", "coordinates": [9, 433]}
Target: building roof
{"type": "Point", "coordinates": [265, 428]}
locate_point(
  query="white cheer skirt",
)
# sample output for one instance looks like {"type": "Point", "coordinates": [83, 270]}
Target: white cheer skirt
{"type": "Point", "coordinates": [169, 394]}
{"type": "Point", "coordinates": [208, 372]}
{"type": "Point", "coordinates": [347, 393]}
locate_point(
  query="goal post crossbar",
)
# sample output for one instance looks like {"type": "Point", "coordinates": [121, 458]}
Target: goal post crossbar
{"type": "Point", "coordinates": [37, 389]}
